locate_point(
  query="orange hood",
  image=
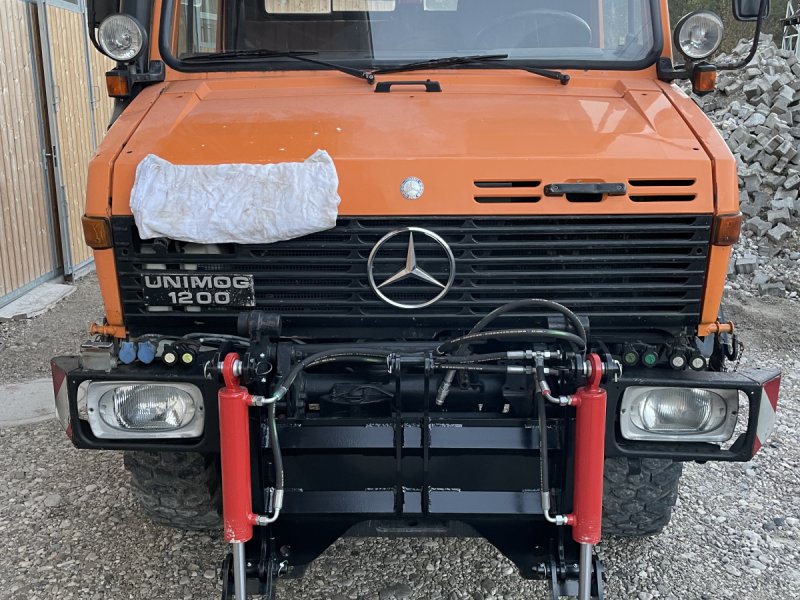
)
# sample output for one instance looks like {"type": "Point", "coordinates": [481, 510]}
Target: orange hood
{"type": "Point", "coordinates": [499, 127]}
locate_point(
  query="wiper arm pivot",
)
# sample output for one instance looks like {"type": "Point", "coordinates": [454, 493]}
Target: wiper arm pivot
{"type": "Point", "coordinates": [563, 78]}
{"type": "Point", "coordinates": [303, 56]}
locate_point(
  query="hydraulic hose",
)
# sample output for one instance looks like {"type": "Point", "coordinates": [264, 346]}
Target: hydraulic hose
{"type": "Point", "coordinates": [544, 467]}
{"type": "Point", "coordinates": [327, 356]}
{"type": "Point", "coordinates": [277, 460]}
{"type": "Point", "coordinates": [570, 316]}
{"type": "Point", "coordinates": [473, 358]}
{"type": "Point", "coordinates": [536, 302]}
{"type": "Point", "coordinates": [527, 334]}
{"type": "Point", "coordinates": [475, 367]}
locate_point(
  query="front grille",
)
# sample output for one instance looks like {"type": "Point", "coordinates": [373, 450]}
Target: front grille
{"type": "Point", "coordinates": [621, 271]}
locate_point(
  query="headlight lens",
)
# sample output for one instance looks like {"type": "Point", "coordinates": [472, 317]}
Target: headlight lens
{"type": "Point", "coordinates": [145, 410]}
{"type": "Point", "coordinates": [145, 407]}
{"type": "Point", "coordinates": [121, 37]}
{"type": "Point", "coordinates": [699, 34]}
{"type": "Point", "coordinates": [678, 414]}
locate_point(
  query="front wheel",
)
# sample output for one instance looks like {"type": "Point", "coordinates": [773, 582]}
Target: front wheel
{"type": "Point", "coordinates": [638, 495]}
{"type": "Point", "coordinates": [177, 489]}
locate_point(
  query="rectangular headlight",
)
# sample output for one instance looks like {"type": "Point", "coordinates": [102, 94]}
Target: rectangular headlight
{"type": "Point", "coordinates": [678, 414]}
{"type": "Point", "coordinates": [144, 409]}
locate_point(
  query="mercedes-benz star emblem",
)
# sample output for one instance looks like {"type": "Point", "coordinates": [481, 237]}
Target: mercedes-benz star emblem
{"type": "Point", "coordinates": [412, 188]}
{"type": "Point", "coordinates": [439, 284]}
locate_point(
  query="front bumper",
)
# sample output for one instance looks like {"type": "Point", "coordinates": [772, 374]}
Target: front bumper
{"type": "Point", "coordinates": [760, 386]}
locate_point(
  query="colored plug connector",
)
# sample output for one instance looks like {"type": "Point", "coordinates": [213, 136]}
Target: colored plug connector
{"type": "Point", "coordinates": [650, 357]}
{"type": "Point", "coordinates": [187, 356]}
{"type": "Point", "coordinates": [127, 352]}
{"type": "Point", "coordinates": [630, 357]}
{"type": "Point", "coordinates": [677, 360]}
{"type": "Point", "coordinates": [146, 353]}
{"type": "Point", "coordinates": [170, 356]}
{"type": "Point", "coordinates": [698, 362]}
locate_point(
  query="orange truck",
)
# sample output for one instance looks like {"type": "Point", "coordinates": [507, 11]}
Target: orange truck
{"type": "Point", "coordinates": [488, 305]}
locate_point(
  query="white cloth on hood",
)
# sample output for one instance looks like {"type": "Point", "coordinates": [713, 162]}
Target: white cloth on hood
{"type": "Point", "coordinates": [236, 203]}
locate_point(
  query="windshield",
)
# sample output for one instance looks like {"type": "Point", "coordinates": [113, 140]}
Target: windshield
{"type": "Point", "coordinates": [379, 33]}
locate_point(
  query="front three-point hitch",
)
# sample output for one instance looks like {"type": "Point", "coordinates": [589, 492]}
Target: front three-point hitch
{"type": "Point", "coordinates": [588, 401]}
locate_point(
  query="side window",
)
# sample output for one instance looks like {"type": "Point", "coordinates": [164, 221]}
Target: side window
{"type": "Point", "coordinates": [199, 30]}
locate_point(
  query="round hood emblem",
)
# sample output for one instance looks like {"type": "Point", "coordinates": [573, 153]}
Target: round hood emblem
{"type": "Point", "coordinates": [412, 188]}
{"type": "Point", "coordinates": [397, 271]}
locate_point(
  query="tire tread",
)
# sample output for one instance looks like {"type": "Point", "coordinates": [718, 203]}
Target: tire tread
{"type": "Point", "coordinates": [177, 489]}
{"type": "Point", "coordinates": [638, 495]}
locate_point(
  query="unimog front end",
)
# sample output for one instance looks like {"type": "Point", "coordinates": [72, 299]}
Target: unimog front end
{"type": "Point", "coordinates": [512, 328]}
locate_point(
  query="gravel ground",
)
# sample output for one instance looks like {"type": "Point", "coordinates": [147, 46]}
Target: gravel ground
{"type": "Point", "coordinates": [69, 528]}
{"type": "Point", "coordinates": [27, 346]}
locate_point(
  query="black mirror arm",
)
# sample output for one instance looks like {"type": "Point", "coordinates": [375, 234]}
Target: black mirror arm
{"type": "Point", "coordinates": [668, 72]}
{"type": "Point", "coordinates": [743, 63]}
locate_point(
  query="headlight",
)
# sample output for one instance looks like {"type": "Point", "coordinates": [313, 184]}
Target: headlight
{"type": "Point", "coordinates": [699, 34]}
{"type": "Point", "coordinates": [121, 37]}
{"type": "Point", "coordinates": [678, 414]}
{"type": "Point", "coordinates": [145, 410]}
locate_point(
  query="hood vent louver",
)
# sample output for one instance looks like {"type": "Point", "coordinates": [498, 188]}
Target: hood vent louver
{"type": "Point", "coordinates": [505, 192]}
{"type": "Point", "coordinates": [662, 190]}
{"type": "Point", "coordinates": [530, 191]}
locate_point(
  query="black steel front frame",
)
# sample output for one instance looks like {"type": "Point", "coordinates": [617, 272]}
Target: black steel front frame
{"type": "Point", "coordinates": [749, 381]}
{"type": "Point", "coordinates": [422, 473]}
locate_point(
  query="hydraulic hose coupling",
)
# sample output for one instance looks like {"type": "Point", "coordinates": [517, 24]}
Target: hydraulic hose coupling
{"type": "Point", "coordinates": [444, 388]}
{"type": "Point", "coordinates": [544, 389]}
{"type": "Point", "coordinates": [560, 400]}
{"type": "Point", "coordinates": [266, 400]}
{"type": "Point", "coordinates": [277, 505]}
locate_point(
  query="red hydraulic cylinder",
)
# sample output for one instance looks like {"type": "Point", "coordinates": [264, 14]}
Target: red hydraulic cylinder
{"type": "Point", "coordinates": [234, 442]}
{"type": "Point", "coordinates": [587, 513]}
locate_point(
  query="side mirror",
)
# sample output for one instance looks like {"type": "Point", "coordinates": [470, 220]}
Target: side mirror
{"type": "Point", "coordinates": [748, 10]}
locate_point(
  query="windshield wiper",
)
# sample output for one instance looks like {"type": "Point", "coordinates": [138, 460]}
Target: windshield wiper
{"type": "Point", "coordinates": [447, 61]}
{"type": "Point", "coordinates": [234, 55]}
{"type": "Point", "coordinates": [451, 61]}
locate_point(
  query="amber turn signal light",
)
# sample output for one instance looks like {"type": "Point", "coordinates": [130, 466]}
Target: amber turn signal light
{"type": "Point", "coordinates": [97, 232]}
{"type": "Point", "coordinates": [727, 229]}
{"type": "Point", "coordinates": [704, 79]}
{"type": "Point", "coordinates": [118, 84]}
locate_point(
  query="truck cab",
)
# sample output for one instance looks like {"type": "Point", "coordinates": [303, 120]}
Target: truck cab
{"type": "Point", "coordinates": [510, 326]}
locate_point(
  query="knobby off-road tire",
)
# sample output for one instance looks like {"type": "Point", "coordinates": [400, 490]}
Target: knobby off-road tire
{"type": "Point", "coordinates": [177, 489]}
{"type": "Point", "coordinates": [638, 495]}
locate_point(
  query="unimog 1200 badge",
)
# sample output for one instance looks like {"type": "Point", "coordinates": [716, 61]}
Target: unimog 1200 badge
{"type": "Point", "coordinates": [165, 289]}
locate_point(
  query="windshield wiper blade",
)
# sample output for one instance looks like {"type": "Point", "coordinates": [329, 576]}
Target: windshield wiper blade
{"type": "Point", "coordinates": [303, 56]}
{"type": "Point", "coordinates": [447, 61]}
{"type": "Point", "coordinates": [450, 61]}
